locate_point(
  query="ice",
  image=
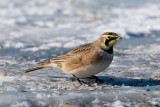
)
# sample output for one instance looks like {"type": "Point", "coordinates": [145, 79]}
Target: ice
{"type": "Point", "coordinates": [155, 101]}
{"type": "Point", "coordinates": [31, 31]}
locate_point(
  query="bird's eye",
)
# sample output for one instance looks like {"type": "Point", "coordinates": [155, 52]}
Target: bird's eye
{"type": "Point", "coordinates": [109, 37]}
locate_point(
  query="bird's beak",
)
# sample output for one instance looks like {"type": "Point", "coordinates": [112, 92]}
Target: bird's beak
{"type": "Point", "coordinates": [119, 38]}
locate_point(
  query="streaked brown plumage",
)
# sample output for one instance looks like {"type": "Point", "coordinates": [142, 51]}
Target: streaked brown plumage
{"type": "Point", "coordinates": [86, 60]}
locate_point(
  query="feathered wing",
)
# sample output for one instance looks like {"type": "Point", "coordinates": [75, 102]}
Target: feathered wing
{"type": "Point", "coordinates": [59, 60]}
{"type": "Point", "coordinates": [62, 58]}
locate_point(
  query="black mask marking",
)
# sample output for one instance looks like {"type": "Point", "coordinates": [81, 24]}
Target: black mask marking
{"type": "Point", "coordinates": [108, 40]}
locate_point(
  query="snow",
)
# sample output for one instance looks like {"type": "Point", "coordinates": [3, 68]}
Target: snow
{"type": "Point", "coordinates": [31, 31]}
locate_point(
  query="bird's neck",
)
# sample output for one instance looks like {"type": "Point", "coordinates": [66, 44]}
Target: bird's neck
{"type": "Point", "coordinates": [110, 50]}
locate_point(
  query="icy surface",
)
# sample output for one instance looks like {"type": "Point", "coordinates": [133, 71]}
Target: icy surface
{"type": "Point", "coordinates": [33, 30]}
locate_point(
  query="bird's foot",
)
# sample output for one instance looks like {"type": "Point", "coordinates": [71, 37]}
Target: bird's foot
{"type": "Point", "coordinates": [97, 79]}
{"type": "Point", "coordinates": [82, 82]}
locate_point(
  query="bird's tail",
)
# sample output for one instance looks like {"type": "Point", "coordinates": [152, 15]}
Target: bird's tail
{"type": "Point", "coordinates": [36, 67]}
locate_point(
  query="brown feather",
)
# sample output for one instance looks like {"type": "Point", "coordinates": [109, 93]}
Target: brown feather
{"type": "Point", "coordinates": [69, 55]}
{"type": "Point", "coordinates": [36, 67]}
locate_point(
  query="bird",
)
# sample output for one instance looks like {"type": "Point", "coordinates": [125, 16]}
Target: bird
{"type": "Point", "coordinates": [85, 60]}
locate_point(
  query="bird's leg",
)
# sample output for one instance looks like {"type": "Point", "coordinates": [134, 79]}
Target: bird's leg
{"type": "Point", "coordinates": [97, 79]}
{"type": "Point", "coordinates": [80, 81]}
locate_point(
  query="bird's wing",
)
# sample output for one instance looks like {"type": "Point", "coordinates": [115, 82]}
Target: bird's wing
{"type": "Point", "coordinates": [84, 59]}
{"type": "Point", "coordinates": [82, 55]}
{"type": "Point", "coordinates": [75, 53]}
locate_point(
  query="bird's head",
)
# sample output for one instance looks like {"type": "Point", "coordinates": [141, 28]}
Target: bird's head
{"type": "Point", "coordinates": [108, 40]}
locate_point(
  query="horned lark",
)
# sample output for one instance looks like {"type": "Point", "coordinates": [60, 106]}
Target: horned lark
{"type": "Point", "coordinates": [86, 60]}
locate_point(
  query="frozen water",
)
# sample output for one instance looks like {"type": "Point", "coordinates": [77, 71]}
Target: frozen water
{"type": "Point", "coordinates": [32, 30]}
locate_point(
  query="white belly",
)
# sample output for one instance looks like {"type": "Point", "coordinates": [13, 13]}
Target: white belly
{"type": "Point", "coordinates": [91, 70]}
